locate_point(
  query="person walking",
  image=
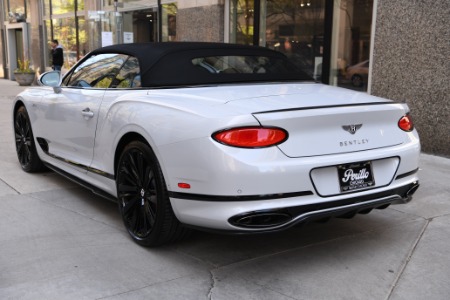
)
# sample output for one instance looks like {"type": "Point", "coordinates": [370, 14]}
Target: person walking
{"type": "Point", "coordinates": [57, 55]}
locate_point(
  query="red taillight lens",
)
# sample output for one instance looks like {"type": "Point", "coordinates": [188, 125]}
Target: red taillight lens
{"type": "Point", "coordinates": [406, 123]}
{"type": "Point", "coordinates": [251, 137]}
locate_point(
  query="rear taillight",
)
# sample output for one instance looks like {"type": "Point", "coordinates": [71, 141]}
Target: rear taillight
{"type": "Point", "coordinates": [251, 137]}
{"type": "Point", "coordinates": [406, 123]}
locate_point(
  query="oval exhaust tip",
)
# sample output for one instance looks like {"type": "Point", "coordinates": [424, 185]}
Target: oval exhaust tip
{"type": "Point", "coordinates": [261, 219]}
{"type": "Point", "coordinates": [412, 190]}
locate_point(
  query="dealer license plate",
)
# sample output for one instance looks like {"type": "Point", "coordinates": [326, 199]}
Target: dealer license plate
{"type": "Point", "coordinates": [355, 176]}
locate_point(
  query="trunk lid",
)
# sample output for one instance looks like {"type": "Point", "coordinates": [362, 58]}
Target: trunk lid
{"type": "Point", "coordinates": [322, 120]}
{"type": "Point", "coordinates": [337, 129]}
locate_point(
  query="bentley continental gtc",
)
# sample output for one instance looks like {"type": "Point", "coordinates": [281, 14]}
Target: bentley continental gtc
{"type": "Point", "coordinates": [222, 137]}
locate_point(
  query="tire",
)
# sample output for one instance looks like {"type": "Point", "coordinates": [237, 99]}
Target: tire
{"type": "Point", "coordinates": [357, 80]}
{"type": "Point", "coordinates": [25, 144]}
{"type": "Point", "coordinates": [143, 198]}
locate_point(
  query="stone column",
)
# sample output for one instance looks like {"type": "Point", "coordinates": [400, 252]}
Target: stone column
{"type": "Point", "coordinates": [411, 63]}
{"type": "Point", "coordinates": [200, 21]}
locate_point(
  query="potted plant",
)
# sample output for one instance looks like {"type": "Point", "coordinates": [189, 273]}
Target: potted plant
{"type": "Point", "coordinates": [24, 75]}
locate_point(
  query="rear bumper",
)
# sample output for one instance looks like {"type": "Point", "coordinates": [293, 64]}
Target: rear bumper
{"type": "Point", "coordinates": [222, 216]}
{"type": "Point", "coordinates": [340, 208]}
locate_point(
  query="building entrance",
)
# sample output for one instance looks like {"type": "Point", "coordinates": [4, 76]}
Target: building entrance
{"type": "Point", "coordinates": [17, 46]}
{"type": "Point", "coordinates": [141, 26]}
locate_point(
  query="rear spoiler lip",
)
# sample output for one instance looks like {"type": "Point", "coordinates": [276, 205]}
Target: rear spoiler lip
{"type": "Point", "coordinates": [326, 106]}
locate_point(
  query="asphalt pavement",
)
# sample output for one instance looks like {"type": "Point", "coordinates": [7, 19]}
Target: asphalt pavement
{"type": "Point", "coordinates": [60, 241]}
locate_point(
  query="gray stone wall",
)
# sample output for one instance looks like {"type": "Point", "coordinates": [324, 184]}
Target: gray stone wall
{"type": "Point", "coordinates": [412, 64]}
{"type": "Point", "coordinates": [204, 23]}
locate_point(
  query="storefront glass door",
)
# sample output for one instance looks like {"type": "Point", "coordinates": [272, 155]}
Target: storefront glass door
{"type": "Point", "coordinates": [352, 22]}
{"type": "Point", "coordinates": [294, 27]}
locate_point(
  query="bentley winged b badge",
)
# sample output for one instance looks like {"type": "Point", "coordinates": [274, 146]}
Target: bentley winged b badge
{"type": "Point", "coordinates": [352, 128]}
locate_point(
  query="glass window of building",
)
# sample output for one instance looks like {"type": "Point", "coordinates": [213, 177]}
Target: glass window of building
{"type": "Point", "coordinates": [137, 20]}
{"type": "Point", "coordinates": [140, 25]}
{"type": "Point", "coordinates": [130, 4]}
{"type": "Point", "coordinates": [294, 27]}
{"type": "Point", "coordinates": [15, 10]}
{"type": "Point", "coordinates": [352, 22]}
{"type": "Point", "coordinates": [63, 6]}
{"type": "Point", "coordinates": [46, 7]}
{"type": "Point", "coordinates": [80, 5]}
{"type": "Point", "coordinates": [242, 21]}
{"type": "Point", "coordinates": [64, 21]}
{"type": "Point", "coordinates": [64, 30]}
{"type": "Point", "coordinates": [169, 22]}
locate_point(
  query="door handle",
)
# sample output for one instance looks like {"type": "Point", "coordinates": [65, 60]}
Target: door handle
{"type": "Point", "coordinates": [87, 112]}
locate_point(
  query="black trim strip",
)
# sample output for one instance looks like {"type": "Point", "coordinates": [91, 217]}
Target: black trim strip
{"type": "Point", "coordinates": [200, 197]}
{"type": "Point", "coordinates": [407, 174]}
{"type": "Point", "coordinates": [325, 106]}
{"type": "Point", "coordinates": [78, 165]}
{"type": "Point", "coordinates": [81, 182]}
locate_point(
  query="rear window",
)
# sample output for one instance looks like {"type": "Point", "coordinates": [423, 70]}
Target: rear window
{"type": "Point", "coordinates": [221, 66]}
{"type": "Point", "coordinates": [244, 65]}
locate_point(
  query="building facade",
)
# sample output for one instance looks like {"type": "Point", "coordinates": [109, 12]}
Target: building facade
{"type": "Point", "coordinates": [373, 46]}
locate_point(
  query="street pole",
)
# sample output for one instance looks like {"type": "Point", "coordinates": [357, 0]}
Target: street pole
{"type": "Point", "coordinates": [118, 19]}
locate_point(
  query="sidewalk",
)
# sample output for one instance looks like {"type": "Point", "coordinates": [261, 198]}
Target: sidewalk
{"type": "Point", "coordinates": [10, 88]}
{"type": "Point", "coordinates": [60, 241]}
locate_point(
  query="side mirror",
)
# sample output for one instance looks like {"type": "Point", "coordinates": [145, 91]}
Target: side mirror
{"type": "Point", "coordinates": [51, 79]}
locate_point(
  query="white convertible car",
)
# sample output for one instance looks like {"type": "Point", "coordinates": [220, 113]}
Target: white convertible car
{"type": "Point", "coordinates": [222, 137]}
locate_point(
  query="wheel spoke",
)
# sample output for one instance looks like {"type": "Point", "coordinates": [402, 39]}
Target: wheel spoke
{"type": "Point", "coordinates": [18, 130]}
{"type": "Point", "coordinates": [127, 189]}
{"type": "Point", "coordinates": [148, 175]}
{"type": "Point", "coordinates": [129, 205]}
{"type": "Point", "coordinates": [127, 176]}
{"type": "Point", "coordinates": [140, 167]}
{"type": "Point", "coordinates": [133, 222]}
{"type": "Point", "coordinates": [146, 225]}
{"type": "Point", "coordinates": [133, 169]}
{"type": "Point", "coordinates": [24, 153]}
{"type": "Point", "coordinates": [150, 213]}
{"type": "Point", "coordinates": [27, 153]}
{"type": "Point", "coordinates": [19, 122]}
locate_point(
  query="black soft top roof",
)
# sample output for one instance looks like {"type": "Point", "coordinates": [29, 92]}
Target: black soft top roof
{"type": "Point", "coordinates": [170, 63]}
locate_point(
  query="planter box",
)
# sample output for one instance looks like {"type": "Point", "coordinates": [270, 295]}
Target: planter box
{"type": "Point", "coordinates": [24, 78]}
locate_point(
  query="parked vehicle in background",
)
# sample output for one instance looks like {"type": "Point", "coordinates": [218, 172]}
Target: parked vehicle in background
{"type": "Point", "coordinates": [223, 137]}
{"type": "Point", "coordinates": [358, 74]}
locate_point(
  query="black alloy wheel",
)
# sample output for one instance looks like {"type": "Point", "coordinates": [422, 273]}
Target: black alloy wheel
{"type": "Point", "coordinates": [142, 197]}
{"type": "Point", "coordinates": [25, 145]}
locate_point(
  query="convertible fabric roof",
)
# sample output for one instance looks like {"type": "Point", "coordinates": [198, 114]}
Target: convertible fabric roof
{"type": "Point", "coordinates": [170, 63]}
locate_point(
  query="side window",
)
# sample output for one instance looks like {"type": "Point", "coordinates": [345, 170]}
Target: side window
{"type": "Point", "coordinates": [98, 71]}
{"type": "Point", "coordinates": [129, 76]}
